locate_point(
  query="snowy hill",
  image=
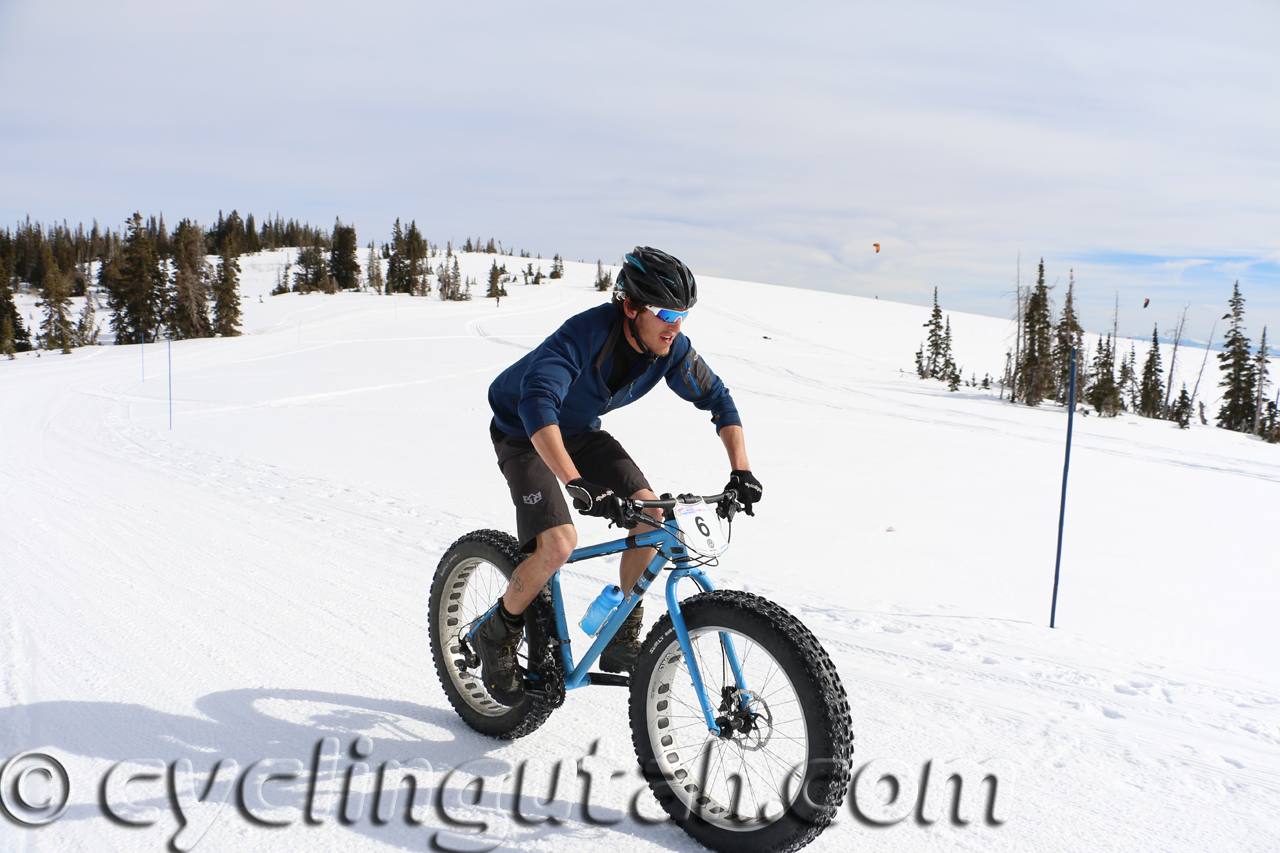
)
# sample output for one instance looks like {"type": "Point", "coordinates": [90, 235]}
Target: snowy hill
{"type": "Point", "coordinates": [256, 577]}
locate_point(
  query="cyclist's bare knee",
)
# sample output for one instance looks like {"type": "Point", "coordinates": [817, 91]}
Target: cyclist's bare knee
{"type": "Point", "coordinates": [647, 495]}
{"type": "Point", "coordinates": [556, 545]}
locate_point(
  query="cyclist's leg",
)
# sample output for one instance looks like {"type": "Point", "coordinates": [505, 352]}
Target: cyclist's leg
{"type": "Point", "coordinates": [633, 562]}
{"type": "Point", "coordinates": [550, 553]}
{"type": "Point", "coordinates": [544, 525]}
{"type": "Point", "coordinates": [601, 459]}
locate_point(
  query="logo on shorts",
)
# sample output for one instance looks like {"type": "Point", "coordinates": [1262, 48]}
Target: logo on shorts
{"type": "Point", "coordinates": [533, 498]}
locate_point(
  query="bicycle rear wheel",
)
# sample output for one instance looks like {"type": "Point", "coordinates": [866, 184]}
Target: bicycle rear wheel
{"type": "Point", "coordinates": [774, 778]}
{"type": "Point", "coordinates": [470, 577]}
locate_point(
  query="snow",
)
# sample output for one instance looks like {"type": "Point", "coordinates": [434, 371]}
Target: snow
{"type": "Point", "coordinates": [256, 578]}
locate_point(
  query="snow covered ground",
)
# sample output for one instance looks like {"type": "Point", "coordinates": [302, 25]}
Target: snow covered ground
{"type": "Point", "coordinates": [255, 578]}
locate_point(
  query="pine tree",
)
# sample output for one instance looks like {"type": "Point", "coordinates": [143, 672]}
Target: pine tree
{"type": "Point", "coordinates": [415, 257]}
{"type": "Point", "coordinates": [187, 314]}
{"type": "Point", "coordinates": [56, 330]}
{"type": "Point", "coordinates": [1151, 391]}
{"type": "Point", "coordinates": [252, 241]}
{"type": "Point", "coordinates": [344, 266]}
{"type": "Point", "coordinates": [14, 337]}
{"type": "Point", "coordinates": [1104, 394]}
{"type": "Point", "coordinates": [85, 333]}
{"type": "Point", "coordinates": [1260, 371]}
{"type": "Point", "coordinates": [495, 287]}
{"type": "Point", "coordinates": [604, 280]}
{"type": "Point", "coordinates": [226, 296]}
{"type": "Point", "coordinates": [6, 336]}
{"type": "Point", "coordinates": [1127, 383]}
{"type": "Point", "coordinates": [373, 271]}
{"type": "Point", "coordinates": [929, 364]}
{"type": "Point", "coordinates": [313, 271]}
{"type": "Point", "coordinates": [948, 372]}
{"type": "Point", "coordinates": [135, 287]}
{"type": "Point", "coordinates": [1238, 403]}
{"type": "Point", "coordinates": [450, 283]}
{"type": "Point", "coordinates": [399, 277]}
{"type": "Point", "coordinates": [1067, 335]}
{"type": "Point", "coordinates": [557, 268]}
{"type": "Point", "coordinates": [1180, 411]}
{"type": "Point", "coordinates": [1036, 372]}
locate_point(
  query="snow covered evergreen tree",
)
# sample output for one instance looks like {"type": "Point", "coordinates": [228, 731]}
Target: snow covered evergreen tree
{"type": "Point", "coordinates": [344, 266]}
{"type": "Point", "coordinates": [373, 271]}
{"type": "Point", "coordinates": [604, 280]}
{"type": "Point", "coordinates": [85, 333]}
{"type": "Point", "coordinates": [1035, 374]}
{"type": "Point", "coordinates": [187, 314]}
{"type": "Point", "coordinates": [1180, 411]}
{"type": "Point", "coordinates": [56, 329]}
{"type": "Point", "coordinates": [1261, 381]}
{"type": "Point", "coordinates": [226, 296]}
{"type": "Point", "coordinates": [1238, 401]}
{"type": "Point", "coordinates": [135, 287]}
{"type": "Point", "coordinates": [1104, 393]}
{"type": "Point", "coordinates": [14, 337]}
{"type": "Point", "coordinates": [1067, 335]}
{"type": "Point", "coordinates": [1151, 391]}
{"type": "Point", "coordinates": [929, 360]}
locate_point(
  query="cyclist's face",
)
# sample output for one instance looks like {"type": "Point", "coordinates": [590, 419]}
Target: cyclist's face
{"type": "Point", "coordinates": [656, 335]}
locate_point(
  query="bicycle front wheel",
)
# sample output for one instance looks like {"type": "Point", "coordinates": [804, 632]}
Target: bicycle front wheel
{"type": "Point", "coordinates": [775, 776]}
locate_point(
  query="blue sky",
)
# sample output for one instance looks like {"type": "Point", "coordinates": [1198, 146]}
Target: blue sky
{"type": "Point", "coordinates": [1134, 143]}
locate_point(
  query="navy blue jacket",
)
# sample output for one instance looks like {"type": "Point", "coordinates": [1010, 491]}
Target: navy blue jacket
{"type": "Point", "coordinates": [563, 380]}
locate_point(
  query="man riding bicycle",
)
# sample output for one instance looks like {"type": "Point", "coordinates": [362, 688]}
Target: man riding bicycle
{"type": "Point", "coordinates": [546, 431]}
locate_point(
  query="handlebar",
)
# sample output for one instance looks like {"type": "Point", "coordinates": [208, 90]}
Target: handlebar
{"type": "Point", "coordinates": [670, 503]}
{"type": "Point", "coordinates": [726, 504]}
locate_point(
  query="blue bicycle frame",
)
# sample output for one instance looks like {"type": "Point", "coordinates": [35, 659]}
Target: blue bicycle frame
{"type": "Point", "coordinates": [670, 549]}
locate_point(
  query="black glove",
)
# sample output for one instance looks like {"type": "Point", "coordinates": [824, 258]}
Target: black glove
{"type": "Point", "coordinates": [748, 488]}
{"type": "Point", "coordinates": [595, 500]}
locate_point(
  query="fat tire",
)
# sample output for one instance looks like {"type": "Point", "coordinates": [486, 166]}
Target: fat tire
{"type": "Point", "coordinates": [800, 657]}
{"type": "Point", "coordinates": [460, 569]}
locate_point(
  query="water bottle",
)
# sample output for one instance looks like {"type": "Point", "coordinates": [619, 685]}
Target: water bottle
{"type": "Point", "coordinates": [604, 605]}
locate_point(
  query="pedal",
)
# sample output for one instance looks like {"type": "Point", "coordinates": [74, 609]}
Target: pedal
{"type": "Point", "coordinates": [470, 659]}
{"type": "Point", "coordinates": [608, 679]}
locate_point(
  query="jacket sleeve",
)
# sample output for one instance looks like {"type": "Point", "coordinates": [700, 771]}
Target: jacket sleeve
{"type": "Point", "coordinates": [560, 360]}
{"type": "Point", "coordinates": [689, 376]}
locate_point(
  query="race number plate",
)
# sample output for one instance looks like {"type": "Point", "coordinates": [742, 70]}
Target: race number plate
{"type": "Point", "coordinates": [700, 527]}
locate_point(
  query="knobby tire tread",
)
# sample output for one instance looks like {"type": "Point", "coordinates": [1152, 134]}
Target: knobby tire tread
{"type": "Point", "coordinates": [813, 672]}
{"type": "Point", "coordinates": [534, 709]}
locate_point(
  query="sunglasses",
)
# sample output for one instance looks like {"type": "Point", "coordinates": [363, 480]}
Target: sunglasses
{"type": "Point", "coordinates": [667, 315]}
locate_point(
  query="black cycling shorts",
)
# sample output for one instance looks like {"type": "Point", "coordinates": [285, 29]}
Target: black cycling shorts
{"type": "Point", "coordinates": [536, 492]}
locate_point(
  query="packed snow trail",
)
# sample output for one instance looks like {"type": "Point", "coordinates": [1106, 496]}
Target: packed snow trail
{"type": "Point", "coordinates": [256, 578]}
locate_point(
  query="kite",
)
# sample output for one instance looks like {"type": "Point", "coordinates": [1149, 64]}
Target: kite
{"type": "Point", "coordinates": [1146, 302]}
{"type": "Point", "coordinates": [877, 245]}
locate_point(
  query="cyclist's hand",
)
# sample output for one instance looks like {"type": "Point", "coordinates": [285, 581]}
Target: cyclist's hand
{"type": "Point", "coordinates": [595, 500]}
{"type": "Point", "coordinates": [748, 488]}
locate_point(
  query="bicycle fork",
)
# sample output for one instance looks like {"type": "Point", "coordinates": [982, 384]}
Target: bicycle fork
{"type": "Point", "coordinates": [686, 645]}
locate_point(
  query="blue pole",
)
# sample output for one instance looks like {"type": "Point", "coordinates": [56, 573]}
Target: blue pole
{"type": "Point", "coordinates": [1066, 467]}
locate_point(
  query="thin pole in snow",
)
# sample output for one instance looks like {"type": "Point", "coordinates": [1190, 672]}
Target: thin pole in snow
{"type": "Point", "coordinates": [170, 348]}
{"type": "Point", "coordinates": [142, 357]}
{"type": "Point", "coordinates": [1066, 466]}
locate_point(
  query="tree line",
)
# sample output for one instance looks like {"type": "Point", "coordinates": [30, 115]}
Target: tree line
{"type": "Point", "coordinates": [157, 282]}
{"type": "Point", "coordinates": [1109, 381]}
